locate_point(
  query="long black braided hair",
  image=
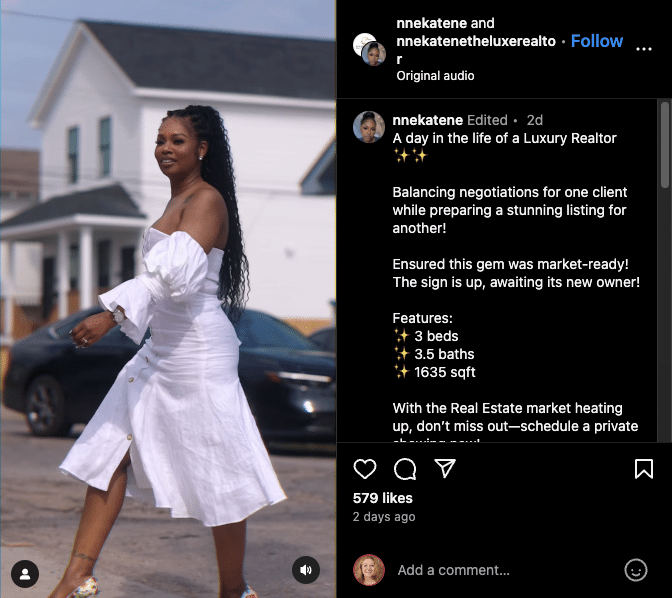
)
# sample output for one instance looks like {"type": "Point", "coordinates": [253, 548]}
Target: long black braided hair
{"type": "Point", "coordinates": [217, 170]}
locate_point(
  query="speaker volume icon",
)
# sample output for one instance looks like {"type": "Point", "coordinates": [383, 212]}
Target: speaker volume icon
{"type": "Point", "coordinates": [306, 569]}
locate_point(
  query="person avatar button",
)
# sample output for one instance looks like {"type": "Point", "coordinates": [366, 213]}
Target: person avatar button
{"type": "Point", "coordinates": [25, 574]}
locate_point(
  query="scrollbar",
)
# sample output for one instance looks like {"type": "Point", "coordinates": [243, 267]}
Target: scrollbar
{"type": "Point", "coordinates": [664, 145]}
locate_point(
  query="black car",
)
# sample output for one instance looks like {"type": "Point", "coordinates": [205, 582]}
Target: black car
{"type": "Point", "coordinates": [325, 339]}
{"type": "Point", "coordinates": [289, 383]}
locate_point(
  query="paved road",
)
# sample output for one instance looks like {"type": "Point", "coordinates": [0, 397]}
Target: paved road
{"type": "Point", "coordinates": [148, 553]}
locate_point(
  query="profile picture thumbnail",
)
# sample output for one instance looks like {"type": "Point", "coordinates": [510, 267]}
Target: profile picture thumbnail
{"type": "Point", "coordinates": [360, 41]}
{"type": "Point", "coordinates": [368, 127]}
{"type": "Point", "coordinates": [368, 570]}
{"type": "Point", "coordinates": [373, 54]}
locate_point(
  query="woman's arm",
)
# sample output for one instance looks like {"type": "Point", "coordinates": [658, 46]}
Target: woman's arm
{"type": "Point", "coordinates": [175, 269]}
{"type": "Point", "coordinates": [92, 329]}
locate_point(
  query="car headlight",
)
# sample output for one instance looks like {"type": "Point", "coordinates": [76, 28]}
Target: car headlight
{"type": "Point", "coordinates": [298, 378]}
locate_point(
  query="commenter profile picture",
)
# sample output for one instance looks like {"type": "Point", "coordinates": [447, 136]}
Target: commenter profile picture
{"type": "Point", "coordinates": [368, 570]}
{"type": "Point", "coordinates": [368, 127]}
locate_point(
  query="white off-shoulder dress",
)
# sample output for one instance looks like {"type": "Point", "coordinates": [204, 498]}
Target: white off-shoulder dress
{"type": "Point", "coordinates": [178, 404]}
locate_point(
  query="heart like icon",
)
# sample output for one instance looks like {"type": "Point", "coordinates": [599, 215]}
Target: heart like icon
{"type": "Point", "coordinates": [363, 466]}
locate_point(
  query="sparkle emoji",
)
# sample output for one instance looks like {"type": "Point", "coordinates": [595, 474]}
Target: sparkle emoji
{"type": "Point", "coordinates": [401, 156]}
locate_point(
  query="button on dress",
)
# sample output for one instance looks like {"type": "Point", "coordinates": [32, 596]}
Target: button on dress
{"type": "Point", "coordinates": [178, 403]}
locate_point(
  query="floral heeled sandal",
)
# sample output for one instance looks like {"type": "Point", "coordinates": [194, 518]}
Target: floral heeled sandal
{"type": "Point", "coordinates": [249, 592]}
{"type": "Point", "coordinates": [88, 588]}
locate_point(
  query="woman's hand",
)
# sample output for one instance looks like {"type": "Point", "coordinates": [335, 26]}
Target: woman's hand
{"type": "Point", "coordinates": [92, 329]}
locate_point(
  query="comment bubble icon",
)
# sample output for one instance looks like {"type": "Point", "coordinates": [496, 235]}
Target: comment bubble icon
{"type": "Point", "coordinates": [404, 469]}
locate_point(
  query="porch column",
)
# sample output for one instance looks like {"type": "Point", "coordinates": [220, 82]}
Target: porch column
{"type": "Point", "coordinates": [85, 267]}
{"type": "Point", "coordinates": [62, 274]}
{"type": "Point", "coordinates": [8, 292]}
{"type": "Point", "coordinates": [139, 262]}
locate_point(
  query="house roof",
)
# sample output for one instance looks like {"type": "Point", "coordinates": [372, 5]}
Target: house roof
{"type": "Point", "coordinates": [321, 178]}
{"type": "Point", "coordinates": [104, 201]}
{"type": "Point", "coordinates": [220, 61]}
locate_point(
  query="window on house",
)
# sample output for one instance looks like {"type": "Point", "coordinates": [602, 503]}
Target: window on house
{"type": "Point", "coordinates": [104, 248]}
{"type": "Point", "coordinates": [127, 263]}
{"type": "Point", "coordinates": [73, 152]}
{"type": "Point", "coordinates": [105, 146]}
{"type": "Point", "coordinates": [27, 195]}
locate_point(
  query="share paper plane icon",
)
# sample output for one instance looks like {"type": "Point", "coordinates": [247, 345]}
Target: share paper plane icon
{"type": "Point", "coordinates": [446, 465]}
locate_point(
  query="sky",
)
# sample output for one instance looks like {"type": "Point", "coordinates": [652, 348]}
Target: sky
{"type": "Point", "coordinates": [32, 33]}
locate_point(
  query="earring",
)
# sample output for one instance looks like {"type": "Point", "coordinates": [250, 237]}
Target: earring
{"type": "Point", "coordinates": [200, 157]}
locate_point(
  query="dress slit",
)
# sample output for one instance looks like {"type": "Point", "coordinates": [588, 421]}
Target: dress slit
{"type": "Point", "coordinates": [130, 459]}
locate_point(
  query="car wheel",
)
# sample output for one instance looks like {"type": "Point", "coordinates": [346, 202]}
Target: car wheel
{"type": "Point", "coordinates": [45, 407]}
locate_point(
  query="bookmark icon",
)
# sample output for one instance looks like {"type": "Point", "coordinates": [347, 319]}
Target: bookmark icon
{"type": "Point", "coordinates": [644, 466]}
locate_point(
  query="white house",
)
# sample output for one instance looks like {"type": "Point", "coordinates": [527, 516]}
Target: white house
{"type": "Point", "coordinates": [100, 186]}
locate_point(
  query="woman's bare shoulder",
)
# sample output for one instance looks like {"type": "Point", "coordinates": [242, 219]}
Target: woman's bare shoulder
{"type": "Point", "coordinates": [205, 217]}
{"type": "Point", "coordinates": [204, 201]}
{"type": "Point", "coordinates": [204, 193]}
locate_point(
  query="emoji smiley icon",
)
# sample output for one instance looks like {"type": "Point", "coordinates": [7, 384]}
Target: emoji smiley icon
{"type": "Point", "coordinates": [636, 570]}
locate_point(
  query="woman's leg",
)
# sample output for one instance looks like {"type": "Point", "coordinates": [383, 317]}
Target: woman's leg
{"type": "Point", "coordinates": [230, 549]}
{"type": "Point", "coordinates": [98, 516]}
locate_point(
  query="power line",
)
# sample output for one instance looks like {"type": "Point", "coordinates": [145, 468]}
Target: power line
{"type": "Point", "coordinates": [34, 16]}
{"type": "Point", "coordinates": [54, 177]}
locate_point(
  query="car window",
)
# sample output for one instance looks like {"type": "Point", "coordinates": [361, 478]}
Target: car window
{"type": "Point", "coordinates": [260, 330]}
{"type": "Point", "coordinates": [319, 338]}
{"type": "Point", "coordinates": [328, 341]}
{"type": "Point", "coordinates": [324, 339]}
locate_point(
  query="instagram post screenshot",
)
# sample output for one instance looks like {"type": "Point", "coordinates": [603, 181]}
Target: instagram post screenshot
{"type": "Point", "coordinates": [168, 299]}
{"type": "Point", "coordinates": [503, 280]}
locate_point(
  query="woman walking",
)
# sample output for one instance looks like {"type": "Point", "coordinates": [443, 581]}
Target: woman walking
{"type": "Point", "coordinates": [175, 428]}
